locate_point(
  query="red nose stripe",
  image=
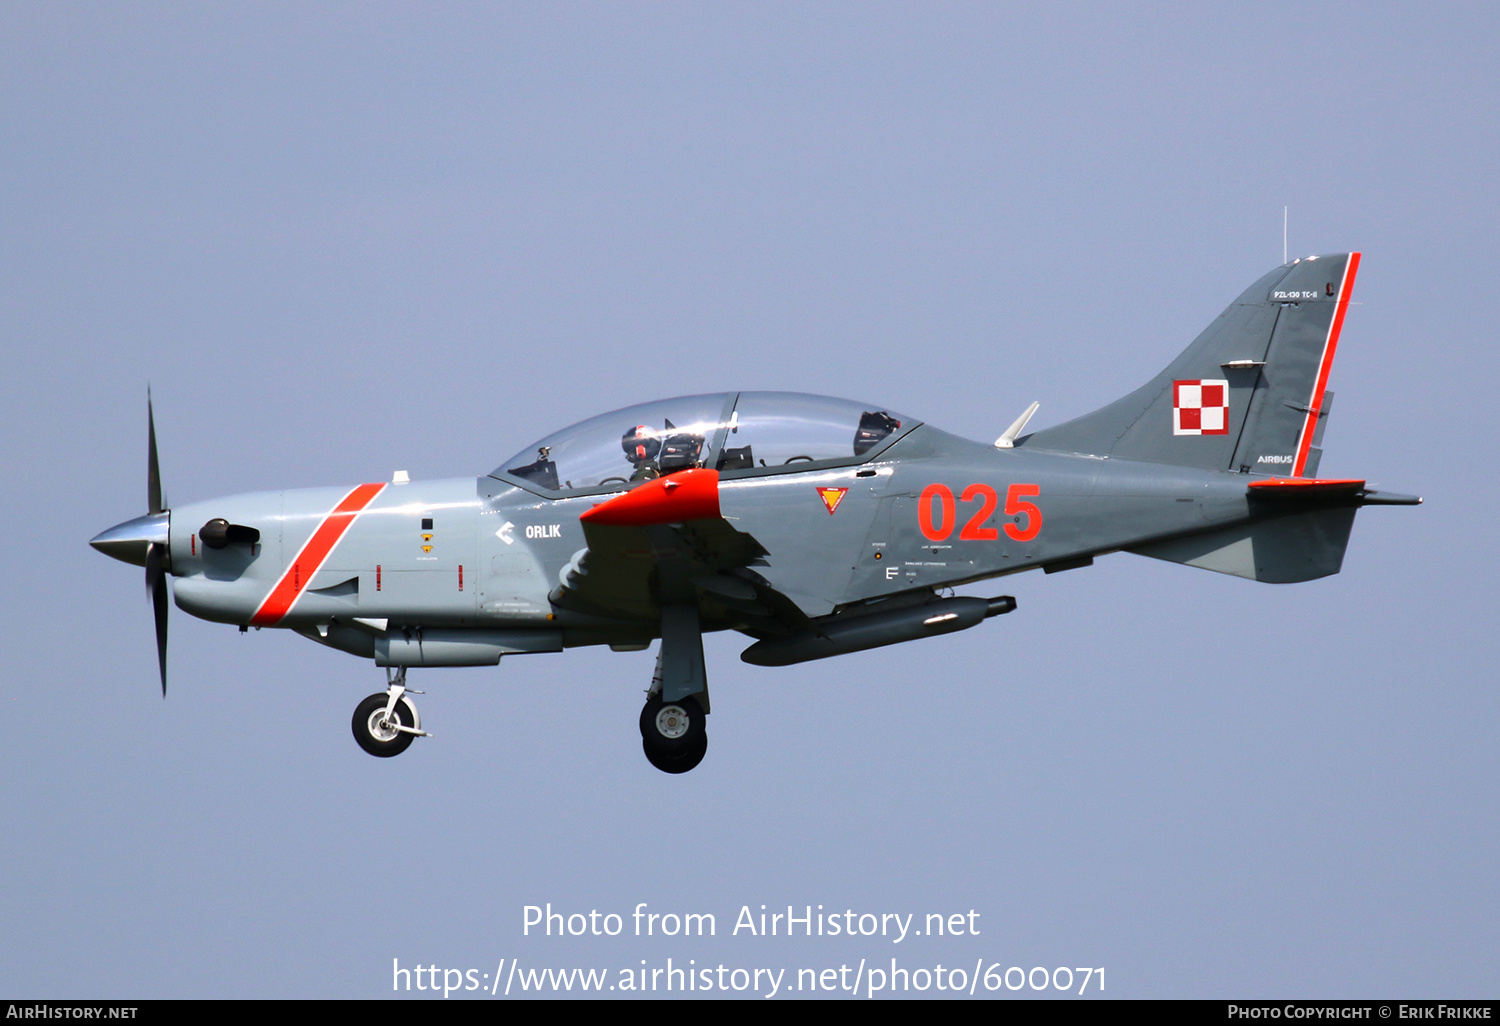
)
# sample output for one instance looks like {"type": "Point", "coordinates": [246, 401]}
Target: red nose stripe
{"type": "Point", "coordinates": [306, 563]}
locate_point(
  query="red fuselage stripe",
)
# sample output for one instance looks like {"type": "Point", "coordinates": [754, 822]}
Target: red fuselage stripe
{"type": "Point", "coordinates": [305, 564]}
{"type": "Point", "coordinates": [1315, 403]}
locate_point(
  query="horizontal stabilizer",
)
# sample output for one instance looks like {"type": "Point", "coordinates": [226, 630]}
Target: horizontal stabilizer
{"type": "Point", "coordinates": [1284, 550]}
{"type": "Point", "coordinates": [1297, 487]}
{"type": "Point", "coordinates": [1325, 490]}
{"type": "Point", "coordinates": [1374, 498]}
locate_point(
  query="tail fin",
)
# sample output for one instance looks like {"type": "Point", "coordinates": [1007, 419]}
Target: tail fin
{"type": "Point", "coordinates": [1250, 394]}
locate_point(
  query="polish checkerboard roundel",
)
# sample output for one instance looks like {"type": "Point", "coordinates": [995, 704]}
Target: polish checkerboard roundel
{"type": "Point", "coordinates": [1200, 407]}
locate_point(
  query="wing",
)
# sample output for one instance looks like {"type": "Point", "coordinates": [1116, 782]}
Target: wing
{"type": "Point", "coordinates": [666, 543]}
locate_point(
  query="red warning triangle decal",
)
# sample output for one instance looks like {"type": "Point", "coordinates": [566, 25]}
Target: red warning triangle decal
{"type": "Point", "coordinates": [832, 497]}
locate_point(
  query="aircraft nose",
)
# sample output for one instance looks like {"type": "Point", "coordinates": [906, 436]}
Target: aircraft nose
{"type": "Point", "coordinates": [129, 541]}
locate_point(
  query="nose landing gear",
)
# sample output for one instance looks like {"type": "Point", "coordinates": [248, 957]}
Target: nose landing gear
{"type": "Point", "coordinates": [385, 723]}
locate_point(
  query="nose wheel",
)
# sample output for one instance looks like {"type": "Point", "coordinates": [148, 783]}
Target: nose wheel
{"type": "Point", "coordinates": [385, 723]}
{"type": "Point", "coordinates": [672, 734]}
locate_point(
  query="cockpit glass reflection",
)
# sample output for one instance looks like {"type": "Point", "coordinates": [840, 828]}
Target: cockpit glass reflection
{"type": "Point", "coordinates": [629, 445]}
{"type": "Point", "coordinates": [783, 429]}
{"type": "Point", "coordinates": [729, 432]}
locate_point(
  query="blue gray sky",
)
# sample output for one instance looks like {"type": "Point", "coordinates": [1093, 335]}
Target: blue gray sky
{"type": "Point", "coordinates": [344, 239]}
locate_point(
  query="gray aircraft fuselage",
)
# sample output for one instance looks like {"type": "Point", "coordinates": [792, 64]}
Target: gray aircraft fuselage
{"type": "Point", "coordinates": [815, 526]}
{"type": "Point", "coordinates": [469, 570]}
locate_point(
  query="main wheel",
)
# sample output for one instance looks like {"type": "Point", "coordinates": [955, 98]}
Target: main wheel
{"type": "Point", "coordinates": [677, 763]}
{"type": "Point", "coordinates": [671, 729]}
{"type": "Point", "coordinates": [377, 736]}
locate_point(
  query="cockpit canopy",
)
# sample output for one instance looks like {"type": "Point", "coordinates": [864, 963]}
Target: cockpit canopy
{"type": "Point", "coordinates": [739, 434]}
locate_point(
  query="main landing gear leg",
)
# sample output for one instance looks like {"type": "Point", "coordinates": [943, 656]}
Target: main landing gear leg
{"type": "Point", "coordinates": [385, 723]}
{"type": "Point", "coordinates": [672, 721]}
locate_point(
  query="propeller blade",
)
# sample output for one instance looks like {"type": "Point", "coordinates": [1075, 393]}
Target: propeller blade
{"type": "Point", "coordinates": [156, 585]}
{"type": "Point", "coordinates": [153, 471]}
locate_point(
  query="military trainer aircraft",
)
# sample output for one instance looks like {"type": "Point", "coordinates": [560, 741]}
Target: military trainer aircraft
{"type": "Point", "coordinates": [815, 526]}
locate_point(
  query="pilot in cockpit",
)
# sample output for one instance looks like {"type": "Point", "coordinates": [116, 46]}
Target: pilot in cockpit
{"type": "Point", "coordinates": [874, 428]}
{"type": "Point", "coordinates": [654, 453]}
{"type": "Point", "coordinates": [641, 448]}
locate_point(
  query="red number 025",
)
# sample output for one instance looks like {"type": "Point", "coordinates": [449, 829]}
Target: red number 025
{"type": "Point", "coordinates": [937, 512]}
